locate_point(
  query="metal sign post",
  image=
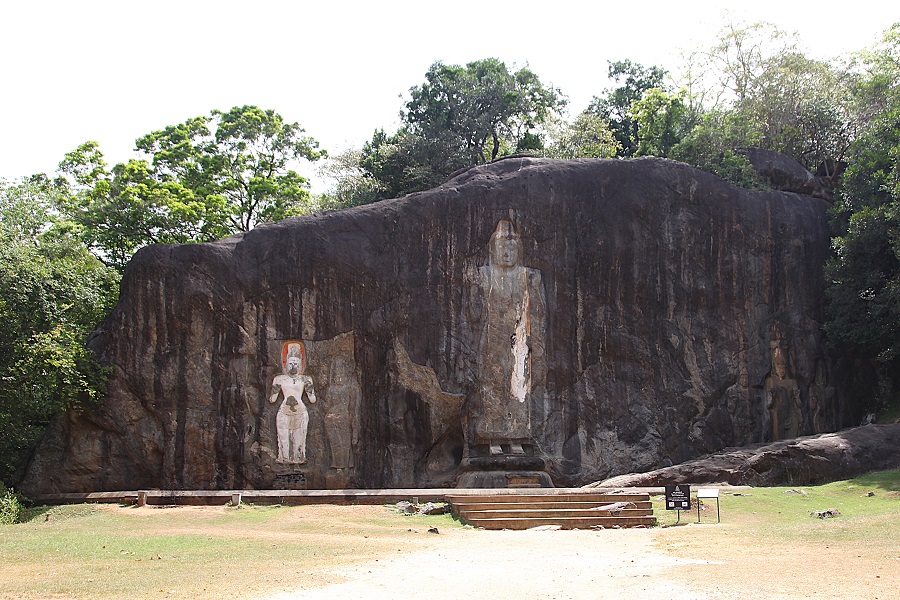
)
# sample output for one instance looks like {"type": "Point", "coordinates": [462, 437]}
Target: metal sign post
{"type": "Point", "coordinates": [678, 497]}
{"type": "Point", "coordinates": [709, 493]}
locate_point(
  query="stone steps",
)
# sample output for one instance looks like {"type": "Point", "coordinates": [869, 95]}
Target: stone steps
{"type": "Point", "coordinates": [566, 510]}
{"type": "Point", "coordinates": [564, 513]}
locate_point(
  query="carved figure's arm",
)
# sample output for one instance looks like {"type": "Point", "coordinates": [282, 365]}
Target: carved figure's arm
{"type": "Point", "coordinates": [310, 391]}
{"type": "Point", "coordinates": [276, 389]}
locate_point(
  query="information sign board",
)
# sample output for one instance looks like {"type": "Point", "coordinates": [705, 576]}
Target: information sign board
{"type": "Point", "coordinates": [678, 497]}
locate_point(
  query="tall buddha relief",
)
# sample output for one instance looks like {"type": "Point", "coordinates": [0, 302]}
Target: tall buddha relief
{"type": "Point", "coordinates": [507, 301]}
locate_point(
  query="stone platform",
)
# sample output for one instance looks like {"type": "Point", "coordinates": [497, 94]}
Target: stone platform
{"type": "Point", "coordinates": [302, 497]}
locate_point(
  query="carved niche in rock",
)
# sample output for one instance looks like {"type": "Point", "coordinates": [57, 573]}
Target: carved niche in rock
{"type": "Point", "coordinates": [292, 419]}
{"type": "Point", "coordinates": [316, 426]}
{"type": "Point", "coordinates": [343, 399]}
{"type": "Point", "coordinates": [822, 401]}
{"type": "Point", "coordinates": [507, 301]}
{"type": "Point", "coordinates": [783, 399]}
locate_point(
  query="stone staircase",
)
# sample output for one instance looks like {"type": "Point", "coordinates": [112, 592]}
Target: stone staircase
{"type": "Point", "coordinates": [568, 510]}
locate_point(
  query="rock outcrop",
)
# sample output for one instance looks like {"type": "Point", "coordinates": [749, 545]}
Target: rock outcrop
{"type": "Point", "coordinates": [655, 313]}
{"type": "Point", "coordinates": [785, 174]}
{"type": "Point", "coordinates": [808, 460]}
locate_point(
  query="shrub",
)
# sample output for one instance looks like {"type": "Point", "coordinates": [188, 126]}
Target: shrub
{"type": "Point", "coordinates": [11, 506]}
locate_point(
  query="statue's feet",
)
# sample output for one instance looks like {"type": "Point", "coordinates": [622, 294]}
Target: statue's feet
{"type": "Point", "coordinates": [516, 449]}
{"type": "Point", "coordinates": [496, 450]}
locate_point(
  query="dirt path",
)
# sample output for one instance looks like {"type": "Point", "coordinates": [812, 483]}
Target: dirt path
{"type": "Point", "coordinates": [517, 564]}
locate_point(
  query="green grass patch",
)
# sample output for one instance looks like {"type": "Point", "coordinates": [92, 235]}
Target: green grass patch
{"type": "Point", "coordinates": [869, 506]}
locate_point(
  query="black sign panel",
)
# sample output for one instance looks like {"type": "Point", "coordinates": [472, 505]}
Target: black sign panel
{"type": "Point", "coordinates": [678, 497]}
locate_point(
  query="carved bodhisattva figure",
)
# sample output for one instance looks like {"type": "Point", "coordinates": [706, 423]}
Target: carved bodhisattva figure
{"type": "Point", "coordinates": [341, 404]}
{"type": "Point", "coordinates": [783, 400]}
{"type": "Point", "coordinates": [292, 420]}
{"type": "Point", "coordinates": [508, 300]}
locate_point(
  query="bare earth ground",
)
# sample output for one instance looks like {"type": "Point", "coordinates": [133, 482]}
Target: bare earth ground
{"type": "Point", "coordinates": [685, 562]}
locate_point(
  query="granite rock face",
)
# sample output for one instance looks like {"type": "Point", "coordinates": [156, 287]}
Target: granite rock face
{"type": "Point", "coordinates": [786, 174]}
{"type": "Point", "coordinates": [667, 315]}
{"type": "Point", "coordinates": [808, 460]}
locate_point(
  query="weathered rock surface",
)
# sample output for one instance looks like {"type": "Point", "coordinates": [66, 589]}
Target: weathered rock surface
{"type": "Point", "coordinates": [808, 460]}
{"type": "Point", "coordinates": [679, 315]}
{"type": "Point", "coordinates": [784, 173]}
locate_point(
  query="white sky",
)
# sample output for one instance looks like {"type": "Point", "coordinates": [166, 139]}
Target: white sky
{"type": "Point", "coordinates": [113, 71]}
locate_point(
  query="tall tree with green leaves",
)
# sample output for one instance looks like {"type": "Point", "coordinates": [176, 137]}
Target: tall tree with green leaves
{"type": "Point", "coordinates": [478, 109]}
{"type": "Point", "coordinates": [202, 180]}
{"type": "Point", "coordinates": [660, 120]}
{"type": "Point", "coordinates": [633, 80]}
{"type": "Point", "coordinates": [459, 117]}
{"type": "Point", "coordinates": [588, 136]}
{"type": "Point", "coordinates": [53, 292]}
{"type": "Point", "coordinates": [244, 155]}
{"type": "Point", "coordinates": [864, 274]}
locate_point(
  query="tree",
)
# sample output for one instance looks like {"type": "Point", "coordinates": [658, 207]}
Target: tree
{"type": "Point", "coordinates": [741, 54]}
{"type": "Point", "coordinates": [246, 159]}
{"type": "Point", "coordinates": [473, 110]}
{"type": "Point", "coordinates": [615, 106]}
{"type": "Point", "coordinates": [710, 145]}
{"type": "Point", "coordinates": [353, 185]}
{"type": "Point", "coordinates": [459, 117]}
{"type": "Point", "coordinates": [589, 136]}
{"type": "Point", "coordinates": [204, 179]}
{"type": "Point", "coordinates": [791, 104]}
{"type": "Point", "coordinates": [660, 121]}
{"type": "Point", "coordinates": [406, 162]}
{"type": "Point", "coordinates": [53, 292]}
{"type": "Point", "coordinates": [864, 273]}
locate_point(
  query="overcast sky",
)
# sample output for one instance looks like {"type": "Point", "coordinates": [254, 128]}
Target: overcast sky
{"type": "Point", "coordinates": [112, 71]}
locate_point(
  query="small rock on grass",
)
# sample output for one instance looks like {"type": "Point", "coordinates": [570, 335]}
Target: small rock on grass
{"type": "Point", "coordinates": [434, 508]}
{"type": "Point", "coordinates": [828, 513]}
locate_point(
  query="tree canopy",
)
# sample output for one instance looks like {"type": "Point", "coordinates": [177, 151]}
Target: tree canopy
{"type": "Point", "coordinates": [864, 273]}
{"type": "Point", "coordinates": [459, 117]}
{"type": "Point", "coordinates": [53, 292]}
{"type": "Point", "coordinates": [202, 180]}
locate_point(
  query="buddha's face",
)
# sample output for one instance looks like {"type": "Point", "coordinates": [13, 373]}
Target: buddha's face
{"type": "Point", "coordinates": [506, 251]}
{"type": "Point", "coordinates": [293, 365]}
{"type": "Point", "coordinates": [780, 369]}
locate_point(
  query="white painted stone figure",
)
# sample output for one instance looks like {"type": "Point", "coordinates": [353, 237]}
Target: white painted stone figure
{"type": "Point", "coordinates": [511, 309]}
{"type": "Point", "coordinates": [292, 420]}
